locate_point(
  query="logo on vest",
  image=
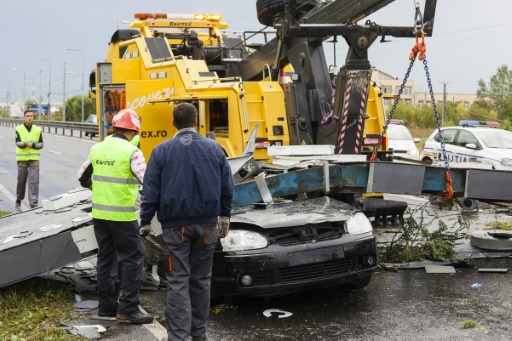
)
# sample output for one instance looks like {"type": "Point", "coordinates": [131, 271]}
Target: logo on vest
{"type": "Point", "coordinates": [105, 162]}
{"type": "Point", "coordinates": [186, 139]}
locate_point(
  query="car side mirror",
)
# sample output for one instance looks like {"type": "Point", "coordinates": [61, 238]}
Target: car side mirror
{"type": "Point", "coordinates": [416, 140]}
{"type": "Point", "coordinates": [472, 146]}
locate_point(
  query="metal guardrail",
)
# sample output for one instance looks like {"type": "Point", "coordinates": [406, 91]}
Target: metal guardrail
{"type": "Point", "coordinates": [56, 127]}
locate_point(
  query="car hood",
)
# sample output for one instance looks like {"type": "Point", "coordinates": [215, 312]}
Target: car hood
{"type": "Point", "coordinates": [296, 213]}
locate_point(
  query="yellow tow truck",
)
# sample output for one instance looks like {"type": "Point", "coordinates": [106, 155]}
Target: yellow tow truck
{"type": "Point", "coordinates": [164, 59]}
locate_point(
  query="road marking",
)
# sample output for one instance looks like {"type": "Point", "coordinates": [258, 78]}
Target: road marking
{"type": "Point", "coordinates": [155, 327]}
{"type": "Point", "coordinates": [54, 152]}
{"type": "Point", "coordinates": [7, 193]}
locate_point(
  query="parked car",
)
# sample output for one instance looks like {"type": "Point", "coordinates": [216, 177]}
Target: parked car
{"type": "Point", "coordinates": [93, 120]}
{"type": "Point", "coordinates": [293, 246]}
{"type": "Point", "coordinates": [401, 141]}
{"type": "Point", "coordinates": [484, 145]}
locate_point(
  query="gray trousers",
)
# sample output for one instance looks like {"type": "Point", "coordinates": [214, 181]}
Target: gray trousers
{"type": "Point", "coordinates": [28, 170]}
{"type": "Point", "coordinates": [188, 274]}
{"type": "Point", "coordinates": [118, 238]}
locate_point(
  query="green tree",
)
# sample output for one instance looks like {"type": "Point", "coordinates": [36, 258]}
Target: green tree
{"type": "Point", "coordinates": [498, 92]}
{"type": "Point", "coordinates": [74, 108]}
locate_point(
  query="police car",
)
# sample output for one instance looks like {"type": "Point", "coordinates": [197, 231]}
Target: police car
{"type": "Point", "coordinates": [471, 142]}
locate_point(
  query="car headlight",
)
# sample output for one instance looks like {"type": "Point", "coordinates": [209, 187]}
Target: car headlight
{"type": "Point", "coordinates": [240, 240]}
{"type": "Point", "coordinates": [413, 151]}
{"type": "Point", "coordinates": [506, 162]}
{"type": "Point", "coordinates": [359, 224]}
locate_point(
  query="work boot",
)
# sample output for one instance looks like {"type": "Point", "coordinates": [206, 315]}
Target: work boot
{"type": "Point", "coordinates": [18, 202]}
{"type": "Point", "coordinates": [107, 314]}
{"type": "Point", "coordinates": [137, 318]}
{"type": "Point", "coordinates": [199, 338]}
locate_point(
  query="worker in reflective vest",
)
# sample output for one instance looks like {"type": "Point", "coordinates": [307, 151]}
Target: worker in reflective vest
{"type": "Point", "coordinates": [114, 171]}
{"type": "Point", "coordinates": [29, 142]}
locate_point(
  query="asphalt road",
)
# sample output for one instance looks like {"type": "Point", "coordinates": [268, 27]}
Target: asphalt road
{"type": "Point", "coordinates": [402, 305]}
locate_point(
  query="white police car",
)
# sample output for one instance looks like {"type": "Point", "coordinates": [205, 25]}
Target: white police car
{"type": "Point", "coordinates": [473, 142]}
{"type": "Point", "coordinates": [401, 141]}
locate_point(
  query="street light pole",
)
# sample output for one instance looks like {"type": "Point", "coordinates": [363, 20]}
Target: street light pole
{"type": "Point", "coordinates": [83, 75]}
{"type": "Point", "coordinates": [24, 84]}
{"type": "Point", "coordinates": [49, 85]}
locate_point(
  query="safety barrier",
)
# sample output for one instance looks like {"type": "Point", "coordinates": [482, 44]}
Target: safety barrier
{"type": "Point", "coordinates": [58, 127]}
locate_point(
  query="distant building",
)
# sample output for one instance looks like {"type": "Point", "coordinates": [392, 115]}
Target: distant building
{"type": "Point", "coordinates": [391, 85]}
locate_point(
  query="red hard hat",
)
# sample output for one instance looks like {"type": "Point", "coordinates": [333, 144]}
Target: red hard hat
{"type": "Point", "coordinates": [127, 119]}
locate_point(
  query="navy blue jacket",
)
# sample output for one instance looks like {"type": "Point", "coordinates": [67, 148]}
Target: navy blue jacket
{"type": "Point", "coordinates": [187, 181]}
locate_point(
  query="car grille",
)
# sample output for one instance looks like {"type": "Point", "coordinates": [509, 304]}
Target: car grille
{"type": "Point", "coordinates": [315, 270]}
{"type": "Point", "coordinates": [303, 272]}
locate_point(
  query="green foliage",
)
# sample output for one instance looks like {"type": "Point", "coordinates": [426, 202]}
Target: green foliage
{"type": "Point", "coordinates": [417, 240]}
{"type": "Point", "coordinates": [466, 324]}
{"type": "Point", "coordinates": [424, 117]}
{"type": "Point", "coordinates": [499, 225]}
{"type": "Point", "coordinates": [2, 213]}
{"type": "Point", "coordinates": [498, 92]}
{"type": "Point", "coordinates": [33, 310]}
{"type": "Point", "coordinates": [74, 108]}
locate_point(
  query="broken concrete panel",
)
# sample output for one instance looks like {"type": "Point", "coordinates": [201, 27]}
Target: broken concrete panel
{"type": "Point", "coordinates": [439, 269]}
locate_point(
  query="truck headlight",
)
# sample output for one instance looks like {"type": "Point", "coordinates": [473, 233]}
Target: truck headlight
{"type": "Point", "coordinates": [506, 162]}
{"type": "Point", "coordinates": [359, 224]}
{"type": "Point", "coordinates": [240, 240]}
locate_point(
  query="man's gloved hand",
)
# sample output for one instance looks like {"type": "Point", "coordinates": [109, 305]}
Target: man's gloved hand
{"type": "Point", "coordinates": [146, 229]}
{"type": "Point", "coordinates": [223, 227]}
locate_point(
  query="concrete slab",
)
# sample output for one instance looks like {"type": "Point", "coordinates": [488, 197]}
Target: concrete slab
{"type": "Point", "coordinates": [439, 269]}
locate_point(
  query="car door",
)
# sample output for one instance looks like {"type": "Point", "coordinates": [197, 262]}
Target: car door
{"type": "Point", "coordinates": [449, 136]}
{"type": "Point", "coordinates": [464, 154]}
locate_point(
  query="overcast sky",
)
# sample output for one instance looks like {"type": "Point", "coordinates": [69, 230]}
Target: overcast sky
{"type": "Point", "coordinates": [470, 40]}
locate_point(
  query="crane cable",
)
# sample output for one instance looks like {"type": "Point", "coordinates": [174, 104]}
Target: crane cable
{"type": "Point", "coordinates": [419, 50]}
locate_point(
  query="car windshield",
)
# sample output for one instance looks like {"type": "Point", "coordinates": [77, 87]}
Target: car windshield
{"type": "Point", "coordinates": [398, 133]}
{"type": "Point", "coordinates": [496, 138]}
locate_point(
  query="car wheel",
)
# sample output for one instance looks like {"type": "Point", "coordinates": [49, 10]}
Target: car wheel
{"type": "Point", "coordinates": [427, 161]}
{"type": "Point", "coordinates": [268, 10]}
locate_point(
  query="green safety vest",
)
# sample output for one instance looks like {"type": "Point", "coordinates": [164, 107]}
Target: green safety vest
{"type": "Point", "coordinates": [135, 141]}
{"type": "Point", "coordinates": [27, 154]}
{"type": "Point", "coordinates": [114, 187]}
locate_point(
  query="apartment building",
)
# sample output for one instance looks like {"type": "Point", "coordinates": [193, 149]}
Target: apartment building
{"type": "Point", "coordinates": [391, 85]}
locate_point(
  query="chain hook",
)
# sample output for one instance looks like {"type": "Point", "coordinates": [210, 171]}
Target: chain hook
{"type": "Point", "coordinates": [418, 18]}
{"type": "Point", "coordinates": [420, 48]}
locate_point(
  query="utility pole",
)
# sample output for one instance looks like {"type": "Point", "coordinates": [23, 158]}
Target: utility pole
{"type": "Point", "coordinates": [40, 96]}
{"type": "Point", "coordinates": [64, 96]}
{"type": "Point", "coordinates": [444, 102]}
{"type": "Point", "coordinates": [24, 86]}
{"type": "Point", "coordinates": [83, 75]}
{"type": "Point", "coordinates": [49, 85]}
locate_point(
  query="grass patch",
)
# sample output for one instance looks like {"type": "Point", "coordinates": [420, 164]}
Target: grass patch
{"type": "Point", "coordinates": [33, 310]}
{"type": "Point", "coordinates": [2, 213]}
{"type": "Point", "coordinates": [466, 324]}
{"type": "Point", "coordinates": [499, 226]}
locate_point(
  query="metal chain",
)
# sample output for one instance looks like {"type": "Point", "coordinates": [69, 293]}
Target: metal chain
{"type": "Point", "coordinates": [433, 101]}
{"type": "Point", "coordinates": [385, 128]}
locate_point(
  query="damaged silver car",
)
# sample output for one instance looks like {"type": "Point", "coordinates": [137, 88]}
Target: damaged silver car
{"type": "Point", "coordinates": [294, 245]}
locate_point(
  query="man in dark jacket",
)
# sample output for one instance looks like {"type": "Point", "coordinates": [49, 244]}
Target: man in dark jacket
{"type": "Point", "coordinates": [189, 184]}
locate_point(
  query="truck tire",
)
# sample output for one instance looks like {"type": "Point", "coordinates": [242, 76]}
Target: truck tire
{"type": "Point", "coordinates": [268, 9]}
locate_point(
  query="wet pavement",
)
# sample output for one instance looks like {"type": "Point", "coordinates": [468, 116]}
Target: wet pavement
{"type": "Point", "coordinates": [402, 305]}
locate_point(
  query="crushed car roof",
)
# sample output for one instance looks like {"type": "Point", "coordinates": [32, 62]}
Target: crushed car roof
{"type": "Point", "coordinates": [293, 213]}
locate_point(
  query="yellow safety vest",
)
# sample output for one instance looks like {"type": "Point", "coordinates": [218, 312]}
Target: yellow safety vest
{"type": "Point", "coordinates": [27, 154]}
{"type": "Point", "coordinates": [114, 187]}
{"type": "Point", "coordinates": [135, 141]}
